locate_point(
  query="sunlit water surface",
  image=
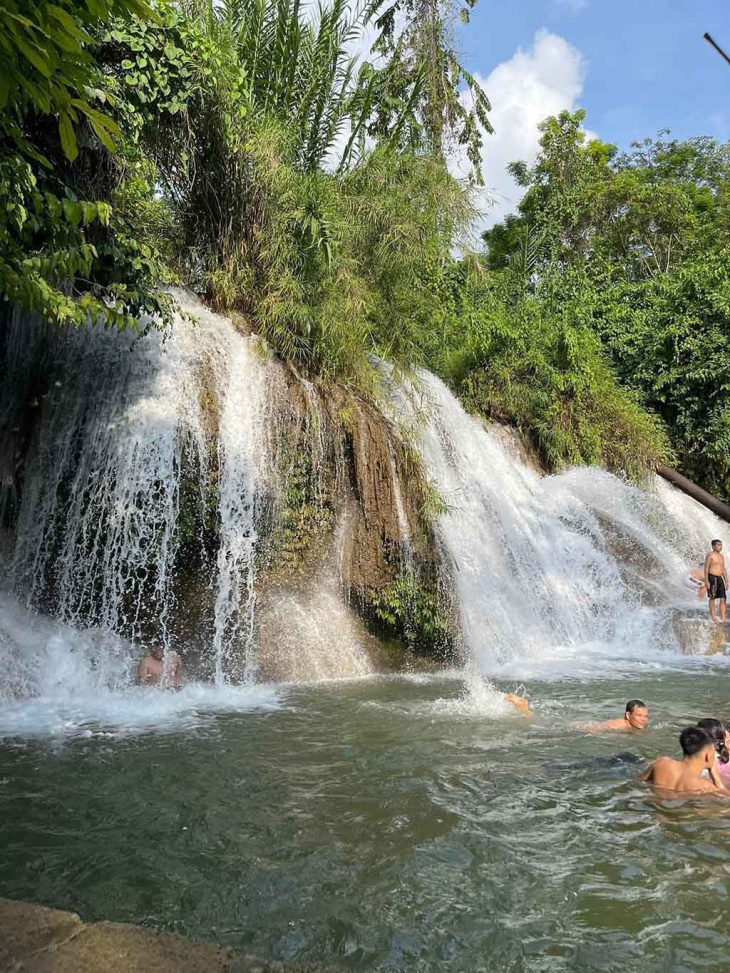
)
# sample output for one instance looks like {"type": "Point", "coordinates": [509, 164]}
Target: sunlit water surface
{"type": "Point", "coordinates": [381, 824]}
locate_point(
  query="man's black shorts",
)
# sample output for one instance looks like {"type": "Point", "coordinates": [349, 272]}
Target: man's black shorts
{"type": "Point", "coordinates": [716, 587]}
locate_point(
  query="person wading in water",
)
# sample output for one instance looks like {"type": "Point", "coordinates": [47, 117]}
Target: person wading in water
{"type": "Point", "coordinates": [686, 775]}
{"type": "Point", "coordinates": [716, 580]}
{"type": "Point", "coordinates": [154, 670]}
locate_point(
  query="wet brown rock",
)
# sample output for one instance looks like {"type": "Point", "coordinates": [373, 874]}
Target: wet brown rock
{"type": "Point", "coordinates": [516, 445]}
{"type": "Point", "coordinates": [25, 929]}
{"type": "Point", "coordinates": [34, 939]}
{"type": "Point", "coordinates": [697, 635]}
{"type": "Point", "coordinates": [376, 530]}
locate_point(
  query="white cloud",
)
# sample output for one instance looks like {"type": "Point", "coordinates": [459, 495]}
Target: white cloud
{"type": "Point", "coordinates": [523, 91]}
{"type": "Point", "coordinates": [574, 5]}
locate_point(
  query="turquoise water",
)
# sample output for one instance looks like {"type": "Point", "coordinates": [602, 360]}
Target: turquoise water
{"type": "Point", "coordinates": [384, 824]}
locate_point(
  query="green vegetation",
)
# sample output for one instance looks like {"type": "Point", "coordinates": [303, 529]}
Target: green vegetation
{"type": "Point", "coordinates": [518, 358]}
{"type": "Point", "coordinates": [413, 608]}
{"type": "Point", "coordinates": [63, 254]}
{"type": "Point", "coordinates": [239, 147]}
{"type": "Point", "coordinates": [306, 509]}
{"type": "Point", "coordinates": [633, 249]}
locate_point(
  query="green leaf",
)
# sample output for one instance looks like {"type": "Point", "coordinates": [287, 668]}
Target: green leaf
{"type": "Point", "coordinates": [68, 137]}
{"type": "Point", "coordinates": [36, 57]}
{"type": "Point", "coordinates": [54, 206]}
{"type": "Point", "coordinates": [73, 212]}
{"type": "Point", "coordinates": [88, 212]}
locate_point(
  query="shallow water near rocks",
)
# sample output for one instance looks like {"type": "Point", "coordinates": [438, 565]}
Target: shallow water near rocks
{"type": "Point", "coordinates": [384, 824]}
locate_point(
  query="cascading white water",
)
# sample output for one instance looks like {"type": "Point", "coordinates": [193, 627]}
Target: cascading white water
{"type": "Point", "coordinates": [550, 568]}
{"type": "Point", "coordinates": [121, 426]}
{"type": "Point", "coordinates": [62, 681]}
{"type": "Point", "coordinates": [102, 479]}
{"type": "Point", "coordinates": [243, 383]}
{"type": "Point", "coordinates": [546, 569]}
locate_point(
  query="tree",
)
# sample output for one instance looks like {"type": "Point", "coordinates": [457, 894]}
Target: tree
{"type": "Point", "coordinates": [636, 247]}
{"type": "Point", "coordinates": [424, 68]}
{"type": "Point", "coordinates": [50, 231]}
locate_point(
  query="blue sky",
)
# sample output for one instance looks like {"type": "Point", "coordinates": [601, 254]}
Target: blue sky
{"type": "Point", "coordinates": [635, 65]}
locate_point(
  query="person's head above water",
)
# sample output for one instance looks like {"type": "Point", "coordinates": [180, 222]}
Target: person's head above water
{"type": "Point", "coordinates": [697, 744]}
{"type": "Point", "coordinates": [716, 545]}
{"type": "Point", "coordinates": [157, 652]}
{"type": "Point", "coordinates": [637, 714]}
{"type": "Point", "coordinates": [715, 729]}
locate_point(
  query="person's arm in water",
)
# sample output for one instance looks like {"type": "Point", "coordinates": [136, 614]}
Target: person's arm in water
{"type": "Point", "coordinates": [648, 774]}
{"type": "Point", "coordinates": [715, 777]}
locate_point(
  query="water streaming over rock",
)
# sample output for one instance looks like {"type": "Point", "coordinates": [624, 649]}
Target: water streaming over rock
{"type": "Point", "coordinates": [556, 567]}
{"type": "Point", "coordinates": [136, 451]}
{"type": "Point", "coordinates": [150, 466]}
{"type": "Point", "coordinates": [121, 434]}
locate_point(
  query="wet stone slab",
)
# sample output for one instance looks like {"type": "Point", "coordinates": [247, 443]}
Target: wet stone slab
{"type": "Point", "coordinates": [34, 939]}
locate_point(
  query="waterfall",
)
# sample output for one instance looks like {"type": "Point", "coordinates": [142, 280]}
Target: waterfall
{"type": "Point", "coordinates": [152, 469]}
{"type": "Point", "coordinates": [141, 477]}
{"type": "Point", "coordinates": [120, 436]}
{"type": "Point", "coordinates": [559, 566]}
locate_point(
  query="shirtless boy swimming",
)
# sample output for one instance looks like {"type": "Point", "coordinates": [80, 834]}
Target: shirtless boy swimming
{"type": "Point", "coordinates": [716, 580]}
{"type": "Point", "coordinates": [685, 776]}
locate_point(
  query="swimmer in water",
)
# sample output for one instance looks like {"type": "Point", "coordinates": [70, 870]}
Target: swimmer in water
{"type": "Point", "coordinates": [520, 703]}
{"type": "Point", "coordinates": [716, 729]}
{"type": "Point", "coordinates": [636, 717]}
{"type": "Point", "coordinates": [686, 776]}
{"type": "Point", "coordinates": [154, 670]}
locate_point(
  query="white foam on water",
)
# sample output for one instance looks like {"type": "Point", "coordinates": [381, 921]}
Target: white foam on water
{"type": "Point", "coordinates": [132, 711]}
{"type": "Point", "coordinates": [560, 576]}
{"type": "Point", "coordinates": [58, 680]}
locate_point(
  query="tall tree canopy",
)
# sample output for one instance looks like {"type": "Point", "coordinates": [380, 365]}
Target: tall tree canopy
{"type": "Point", "coordinates": [635, 245]}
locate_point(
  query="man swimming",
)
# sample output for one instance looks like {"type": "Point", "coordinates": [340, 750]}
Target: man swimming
{"type": "Point", "coordinates": [636, 716]}
{"type": "Point", "coordinates": [685, 775]}
{"type": "Point", "coordinates": [716, 580]}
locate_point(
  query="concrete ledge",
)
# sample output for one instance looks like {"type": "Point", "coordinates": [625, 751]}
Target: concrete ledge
{"type": "Point", "coordinates": [34, 939]}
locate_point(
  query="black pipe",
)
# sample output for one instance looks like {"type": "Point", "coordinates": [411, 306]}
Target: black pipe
{"type": "Point", "coordinates": [697, 493]}
{"type": "Point", "coordinates": [717, 47]}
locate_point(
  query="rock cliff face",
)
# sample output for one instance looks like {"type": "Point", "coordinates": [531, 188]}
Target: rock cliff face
{"type": "Point", "coordinates": [350, 518]}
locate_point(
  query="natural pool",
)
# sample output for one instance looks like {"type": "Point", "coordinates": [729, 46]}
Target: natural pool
{"type": "Point", "coordinates": [382, 824]}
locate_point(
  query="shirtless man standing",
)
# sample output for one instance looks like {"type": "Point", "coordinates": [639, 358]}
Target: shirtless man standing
{"type": "Point", "coordinates": [152, 668]}
{"type": "Point", "coordinates": [716, 580]}
{"type": "Point", "coordinates": [685, 775]}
